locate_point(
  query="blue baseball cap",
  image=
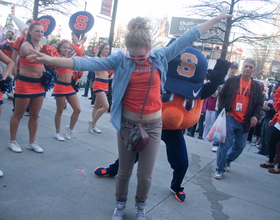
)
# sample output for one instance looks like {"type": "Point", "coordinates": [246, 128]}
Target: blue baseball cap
{"type": "Point", "coordinates": [234, 64]}
{"type": "Point", "coordinates": [186, 74]}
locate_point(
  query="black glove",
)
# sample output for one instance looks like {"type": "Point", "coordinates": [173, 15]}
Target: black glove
{"type": "Point", "coordinates": [219, 72]}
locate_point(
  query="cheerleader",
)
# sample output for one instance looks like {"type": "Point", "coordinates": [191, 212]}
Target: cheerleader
{"type": "Point", "coordinates": [29, 90]}
{"type": "Point", "coordinates": [3, 76]}
{"type": "Point", "coordinates": [63, 90]}
{"type": "Point", "coordinates": [100, 88]}
{"type": "Point", "coordinates": [78, 48]}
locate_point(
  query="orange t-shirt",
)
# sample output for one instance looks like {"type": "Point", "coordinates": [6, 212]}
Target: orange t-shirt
{"type": "Point", "coordinates": [136, 90]}
{"type": "Point", "coordinates": [242, 97]}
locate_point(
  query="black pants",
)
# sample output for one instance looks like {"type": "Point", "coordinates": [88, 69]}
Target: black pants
{"type": "Point", "coordinates": [274, 138]}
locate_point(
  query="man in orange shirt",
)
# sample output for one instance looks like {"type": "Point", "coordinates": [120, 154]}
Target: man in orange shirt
{"type": "Point", "coordinates": [242, 99]}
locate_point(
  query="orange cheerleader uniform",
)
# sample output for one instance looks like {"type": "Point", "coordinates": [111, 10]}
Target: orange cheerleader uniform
{"type": "Point", "coordinates": [100, 85]}
{"type": "Point", "coordinates": [27, 87]}
{"type": "Point", "coordinates": [63, 89]}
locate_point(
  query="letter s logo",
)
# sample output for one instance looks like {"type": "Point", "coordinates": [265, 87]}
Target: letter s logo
{"type": "Point", "coordinates": [81, 22]}
{"type": "Point", "coordinates": [45, 23]}
{"type": "Point", "coordinates": [25, 32]}
{"type": "Point", "coordinates": [187, 67]}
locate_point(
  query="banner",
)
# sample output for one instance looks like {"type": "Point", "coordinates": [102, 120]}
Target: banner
{"type": "Point", "coordinates": [106, 7]}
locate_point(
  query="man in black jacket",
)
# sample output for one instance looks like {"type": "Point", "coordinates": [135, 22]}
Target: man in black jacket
{"type": "Point", "coordinates": [242, 99]}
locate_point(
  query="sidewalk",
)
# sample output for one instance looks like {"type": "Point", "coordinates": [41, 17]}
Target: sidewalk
{"type": "Point", "coordinates": [59, 184]}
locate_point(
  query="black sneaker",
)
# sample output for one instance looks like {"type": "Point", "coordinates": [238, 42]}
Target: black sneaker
{"type": "Point", "coordinates": [103, 171]}
{"type": "Point", "coordinates": [180, 196]}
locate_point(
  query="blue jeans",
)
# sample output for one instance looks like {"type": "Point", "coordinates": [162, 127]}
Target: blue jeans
{"type": "Point", "coordinates": [227, 152]}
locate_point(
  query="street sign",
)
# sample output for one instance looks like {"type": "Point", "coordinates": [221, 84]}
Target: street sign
{"type": "Point", "coordinates": [180, 25]}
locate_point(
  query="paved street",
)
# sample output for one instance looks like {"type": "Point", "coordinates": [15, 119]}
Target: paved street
{"type": "Point", "coordinates": [59, 184]}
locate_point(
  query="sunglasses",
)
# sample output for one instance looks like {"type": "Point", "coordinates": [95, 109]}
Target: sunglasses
{"type": "Point", "coordinates": [141, 58]}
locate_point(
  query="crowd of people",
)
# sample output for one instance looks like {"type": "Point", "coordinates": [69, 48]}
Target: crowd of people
{"type": "Point", "coordinates": [29, 91]}
{"type": "Point", "coordinates": [240, 96]}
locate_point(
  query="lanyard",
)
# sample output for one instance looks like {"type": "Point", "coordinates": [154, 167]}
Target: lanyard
{"type": "Point", "coordinates": [249, 84]}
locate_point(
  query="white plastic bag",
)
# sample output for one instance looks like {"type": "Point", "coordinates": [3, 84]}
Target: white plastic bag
{"type": "Point", "coordinates": [218, 131]}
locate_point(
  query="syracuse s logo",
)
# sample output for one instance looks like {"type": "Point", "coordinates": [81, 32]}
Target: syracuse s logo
{"type": "Point", "coordinates": [187, 67]}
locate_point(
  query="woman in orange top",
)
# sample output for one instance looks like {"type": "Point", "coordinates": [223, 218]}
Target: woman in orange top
{"type": "Point", "coordinates": [63, 90]}
{"type": "Point", "coordinates": [100, 88]}
{"type": "Point", "coordinates": [29, 90]}
{"type": "Point", "coordinates": [79, 48]}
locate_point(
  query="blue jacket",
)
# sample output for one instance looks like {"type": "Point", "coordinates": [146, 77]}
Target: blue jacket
{"type": "Point", "coordinates": [124, 67]}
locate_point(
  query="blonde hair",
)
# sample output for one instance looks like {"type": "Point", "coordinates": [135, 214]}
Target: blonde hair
{"type": "Point", "coordinates": [138, 33]}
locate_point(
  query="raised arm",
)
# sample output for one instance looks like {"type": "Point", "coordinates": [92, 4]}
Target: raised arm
{"type": "Point", "coordinates": [202, 28]}
{"type": "Point", "coordinates": [45, 59]}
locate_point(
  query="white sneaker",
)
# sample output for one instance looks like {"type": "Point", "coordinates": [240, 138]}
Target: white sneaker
{"type": "Point", "coordinates": [58, 136]}
{"type": "Point", "coordinates": [227, 168]}
{"type": "Point", "coordinates": [218, 175]}
{"type": "Point", "coordinates": [214, 149]}
{"type": "Point", "coordinates": [1, 173]}
{"type": "Point", "coordinates": [13, 145]}
{"type": "Point", "coordinates": [93, 128]}
{"type": "Point", "coordinates": [68, 132]}
{"type": "Point", "coordinates": [256, 143]}
{"type": "Point", "coordinates": [259, 146]}
{"type": "Point", "coordinates": [140, 211]}
{"type": "Point", "coordinates": [96, 129]}
{"type": "Point", "coordinates": [119, 211]}
{"type": "Point", "coordinates": [34, 146]}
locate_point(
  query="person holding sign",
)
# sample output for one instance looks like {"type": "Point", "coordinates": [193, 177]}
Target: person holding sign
{"type": "Point", "coordinates": [77, 45]}
{"type": "Point", "coordinates": [242, 99]}
{"type": "Point", "coordinates": [132, 75]}
{"type": "Point", "coordinates": [80, 23]}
